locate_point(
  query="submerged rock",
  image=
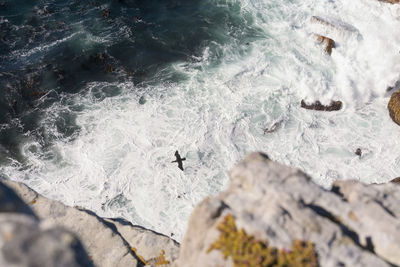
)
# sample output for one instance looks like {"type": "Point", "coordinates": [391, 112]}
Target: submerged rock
{"type": "Point", "coordinates": [279, 207]}
{"type": "Point", "coordinates": [394, 107]}
{"type": "Point", "coordinates": [333, 106]}
{"type": "Point", "coordinates": [322, 21]}
{"type": "Point", "coordinates": [327, 42]}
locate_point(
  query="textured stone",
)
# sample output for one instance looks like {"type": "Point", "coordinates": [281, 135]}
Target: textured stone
{"type": "Point", "coordinates": [394, 107]}
{"type": "Point", "coordinates": [10, 202]}
{"type": "Point", "coordinates": [333, 106]}
{"type": "Point", "coordinates": [109, 242]}
{"type": "Point", "coordinates": [26, 242]}
{"type": "Point", "coordinates": [104, 246]}
{"type": "Point", "coordinates": [396, 180]}
{"type": "Point", "coordinates": [322, 21]}
{"type": "Point", "coordinates": [390, 1]}
{"type": "Point", "coordinates": [148, 244]}
{"type": "Point", "coordinates": [352, 225]}
{"type": "Point", "coordinates": [328, 43]}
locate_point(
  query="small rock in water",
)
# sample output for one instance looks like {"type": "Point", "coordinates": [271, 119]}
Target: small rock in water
{"type": "Point", "coordinates": [273, 127]}
{"type": "Point", "coordinates": [333, 106]}
{"type": "Point", "coordinates": [109, 68]}
{"type": "Point", "coordinates": [142, 100]}
{"type": "Point", "coordinates": [105, 13]}
{"type": "Point", "coordinates": [358, 152]}
{"type": "Point", "coordinates": [327, 42]}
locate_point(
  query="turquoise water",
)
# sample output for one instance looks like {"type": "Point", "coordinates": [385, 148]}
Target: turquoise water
{"type": "Point", "coordinates": [98, 95]}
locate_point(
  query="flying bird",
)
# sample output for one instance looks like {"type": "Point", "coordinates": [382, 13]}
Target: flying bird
{"type": "Point", "coordinates": [179, 160]}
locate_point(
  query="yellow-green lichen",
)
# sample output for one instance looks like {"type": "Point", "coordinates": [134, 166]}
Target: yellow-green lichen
{"type": "Point", "coordinates": [157, 261]}
{"type": "Point", "coordinates": [247, 251]}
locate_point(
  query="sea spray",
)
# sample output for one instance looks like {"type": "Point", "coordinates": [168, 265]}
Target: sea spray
{"type": "Point", "coordinates": [241, 67]}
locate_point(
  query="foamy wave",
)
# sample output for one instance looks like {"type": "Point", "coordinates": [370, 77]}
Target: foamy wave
{"type": "Point", "coordinates": [120, 164]}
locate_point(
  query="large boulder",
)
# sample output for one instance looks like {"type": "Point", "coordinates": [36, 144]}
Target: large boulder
{"type": "Point", "coordinates": [27, 241]}
{"type": "Point", "coordinates": [394, 107]}
{"type": "Point", "coordinates": [273, 214]}
{"type": "Point", "coordinates": [108, 242]}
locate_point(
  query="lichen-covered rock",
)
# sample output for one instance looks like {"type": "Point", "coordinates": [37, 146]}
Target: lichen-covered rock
{"type": "Point", "coordinates": [151, 246]}
{"type": "Point", "coordinates": [394, 107]}
{"type": "Point", "coordinates": [247, 250]}
{"type": "Point", "coordinates": [353, 225]}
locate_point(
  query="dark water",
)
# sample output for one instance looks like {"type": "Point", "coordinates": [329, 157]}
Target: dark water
{"type": "Point", "coordinates": [50, 50]}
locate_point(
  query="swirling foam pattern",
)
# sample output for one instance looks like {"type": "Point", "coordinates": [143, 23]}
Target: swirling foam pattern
{"type": "Point", "coordinates": [234, 70]}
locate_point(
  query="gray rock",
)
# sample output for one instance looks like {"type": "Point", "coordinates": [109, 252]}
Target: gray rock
{"type": "Point", "coordinates": [10, 202]}
{"type": "Point", "coordinates": [108, 242]}
{"type": "Point", "coordinates": [149, 244]}
{"type": "Point", "coordinates": [25, 241]}
{"type": "Point", "coordinates": [356, 225]}
{"type": "Point", "coordinates": [104, 246]}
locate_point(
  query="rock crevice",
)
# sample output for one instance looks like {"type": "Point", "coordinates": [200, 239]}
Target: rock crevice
{"type": "Point", "coordinates": [350, 225]}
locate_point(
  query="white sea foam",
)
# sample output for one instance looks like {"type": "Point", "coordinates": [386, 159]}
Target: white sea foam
{"type": "Point", "coordinates": [120, 163]}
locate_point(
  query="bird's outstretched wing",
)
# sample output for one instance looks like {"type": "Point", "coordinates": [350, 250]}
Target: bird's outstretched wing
{"type": "Point", "coordinates": [180, 165]}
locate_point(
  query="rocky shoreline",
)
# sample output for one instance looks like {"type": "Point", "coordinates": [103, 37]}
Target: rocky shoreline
{"type": "Point", "coordinates": [271, 214]}
{"type": "Point", "coordinates": [106, 242]}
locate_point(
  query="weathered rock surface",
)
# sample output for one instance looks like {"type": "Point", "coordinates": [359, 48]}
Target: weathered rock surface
{"type": "Point", "coordinates": [108, 242]}
{"type": "Point", "coordinates": [394, 107]}
{"type": "Point", "coordinates": [328, 43]}
{"type": "Point", "coordinates": [352, 225]}
{"type": "Point", "coordinates": [148, 244]}
{"type": "Point", "coordinates": [333, 106]}
{"type": "Point", "coordinates": [10, 202]}
{"type": "Point", "coordinates": [320, 20]}
{"type": "Point", "coordinates": [390, 1]}
{"type": "Point", "coordinates": [396, 180]}
{"type": "Point", "coordinates": [25, 241]}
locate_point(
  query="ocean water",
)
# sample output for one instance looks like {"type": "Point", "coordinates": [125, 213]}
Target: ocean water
{"type": "Point", "coordinates": [96, 97]}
